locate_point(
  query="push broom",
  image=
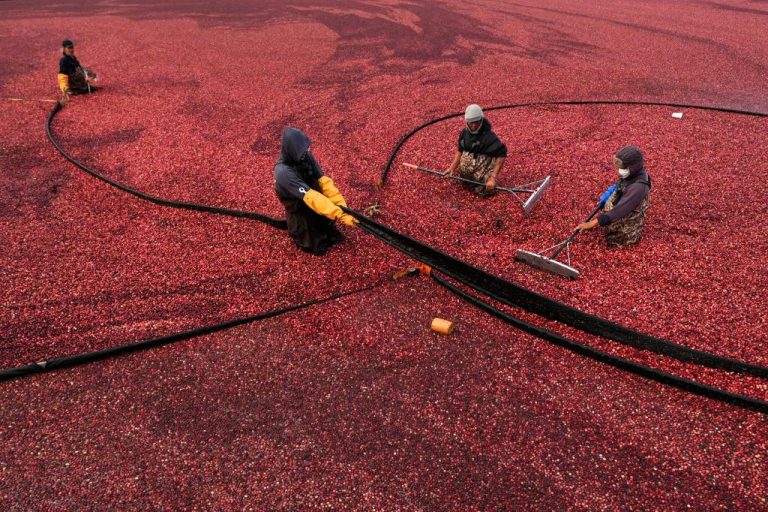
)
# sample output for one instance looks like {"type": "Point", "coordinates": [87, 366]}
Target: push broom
{"type": "Point", "coordinates": [549, 263]}
{"type": "Point", "coordinates": [535, 189]}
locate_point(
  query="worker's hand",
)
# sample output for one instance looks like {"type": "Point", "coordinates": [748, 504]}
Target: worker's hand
{"type": "Point", "coordinates": [348, 220]}
{"type": "Point", "coordinates": [490, 184]}
{"type": "Point", "coordinates": [448, 172]}
{"type": "Point", "coordinates": [587, 225]}
{"type": "Point", "coordinates": [65, 97]}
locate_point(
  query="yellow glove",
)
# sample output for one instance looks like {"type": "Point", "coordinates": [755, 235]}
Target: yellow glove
{"type": "Point", "coordinates": [63, 82]}
{"type": "Point", "coordinates": [322, 205]}
{"type": "Point", "coordinates": [349, 220]}
{"type": "Point", "coordinates": [330, 191]}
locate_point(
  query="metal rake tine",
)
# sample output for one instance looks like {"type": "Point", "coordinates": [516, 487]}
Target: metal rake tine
{"type": "Point", "coordinates": [537, 183]}
{"type": "Point", "coordinates": [558, 244]}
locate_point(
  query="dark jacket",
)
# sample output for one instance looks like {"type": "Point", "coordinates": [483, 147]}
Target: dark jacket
{"type": "Point", "coordinates": [484, 142]}
{"type": "Point", "coordinates": [68, 64]}
{"type": "Point", "coordinates": [630, 192]}
{"type": "Point", "coordinates": [297, 171]}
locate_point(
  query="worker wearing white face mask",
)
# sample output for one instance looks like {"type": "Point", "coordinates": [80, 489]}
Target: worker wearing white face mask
{"type": "Point", "coordinates": [624, 211]}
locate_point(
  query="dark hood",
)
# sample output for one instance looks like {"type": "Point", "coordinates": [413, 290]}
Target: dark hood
{"type": "Point", "coordinates": [293, 145]}
{"type": "Point", "coordinates": [484, 142]}
{"type": "Point", "coordinates": [632, 158]}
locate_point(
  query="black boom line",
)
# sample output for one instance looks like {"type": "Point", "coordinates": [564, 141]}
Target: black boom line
{"type": "Point", "coordinates": [494, 287]}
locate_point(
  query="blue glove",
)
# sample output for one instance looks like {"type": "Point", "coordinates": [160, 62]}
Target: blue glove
{"type": "Point", "coordinates": [606, 195]}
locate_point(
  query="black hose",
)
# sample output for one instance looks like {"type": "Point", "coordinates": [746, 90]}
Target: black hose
{"type": "Point", "coordinates": [78, 359]}
{"type": "Point", "coordinates": [497, 288]}
{"type": "Point", "coordinates": [528, 300]}
{"type": "Point", "coordinates": [276, 223]}
{"type": "Point", "coordinates": [411, 133]}
{"type": "Point", "coordinates": [669, 379]}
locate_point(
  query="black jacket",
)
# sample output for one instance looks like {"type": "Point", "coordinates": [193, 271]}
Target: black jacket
{"type": "Point", "coordinates": [297, 171]}
{"type": "Point", "coordinates": [484, 142]}
{"type": "Point", "coordinates": [68, 65]}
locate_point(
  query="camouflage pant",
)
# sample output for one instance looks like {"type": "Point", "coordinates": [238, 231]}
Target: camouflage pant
{"type": "Point", "coordinates": [629, 230]}
{"type": "Point", "coordinates": [476, 168]}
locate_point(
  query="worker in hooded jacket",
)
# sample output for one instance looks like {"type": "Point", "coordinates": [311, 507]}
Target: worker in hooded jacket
{"type": "Point", "coordinates": [311, 200]}
{"type": "Point", "coordinates": [72, 77]}
{"type": "Point", "coordinates": [624, 211]}
{"type": "Point", "coordinates": [480, 154]}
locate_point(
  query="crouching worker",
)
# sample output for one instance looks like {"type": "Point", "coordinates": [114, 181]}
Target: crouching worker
{"type": "Point", "coordinates": [480, 154]}
{"type": "Point", "coordinates": [72, 77]}
{"type": "Point", "coordinates": [311, 200]}
{"type": "Point", "coordinates": [624, 211]}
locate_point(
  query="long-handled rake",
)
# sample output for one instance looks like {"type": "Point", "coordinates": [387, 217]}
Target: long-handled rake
{"type": "Point", "coordinates": [45, 100]}
{"type": "Point", "coordinates": [535, 189]}
{"type": "Point", "coordinates": [549, 263]}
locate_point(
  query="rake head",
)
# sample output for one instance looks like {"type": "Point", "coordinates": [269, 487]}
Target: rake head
{"type": "Point", "coordinates": [544, 263]}
{"type": "Point", "coordinates": [535, 196]}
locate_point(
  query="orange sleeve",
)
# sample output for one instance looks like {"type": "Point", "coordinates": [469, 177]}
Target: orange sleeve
{"type": "Point", "coordinates": [63, 82]}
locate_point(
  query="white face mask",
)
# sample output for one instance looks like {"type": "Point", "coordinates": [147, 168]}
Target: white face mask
{"type": "Point", "coordinates": [624, 173]}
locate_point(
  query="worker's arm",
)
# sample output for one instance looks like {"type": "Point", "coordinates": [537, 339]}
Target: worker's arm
{"type": "Point", "coordinates": [63, 82]}
{"type": "Point", "coordinates": [603, 199]}
{"type": "Point", "coordinates": [498, 163]}
{"type": "Point", "coordinates": [325, 207]}
{"type": "Point", "coordinates": [329, 190]}
{"type": "Point", "coordinates": [64, 87]}
{"type": "Point", "coordinates": [452, 168]}
{"type": "Point", "coordinates": [289, 184]}
{"type": "Point", "coordinates": [631, 199]}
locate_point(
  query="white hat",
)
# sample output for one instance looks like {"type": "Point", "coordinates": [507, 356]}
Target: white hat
{"type": "Point", "coordinates": [473, 113]}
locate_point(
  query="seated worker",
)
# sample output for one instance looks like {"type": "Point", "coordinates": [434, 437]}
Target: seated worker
{"type": "Point", "coordinates": [310, 198]}
{"type": "Point", "coordinates": [624, 211]}
{"type": "Point", "coordinates": [73, 78]}
{"type": "Point", "coordinates": [480, 154]}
